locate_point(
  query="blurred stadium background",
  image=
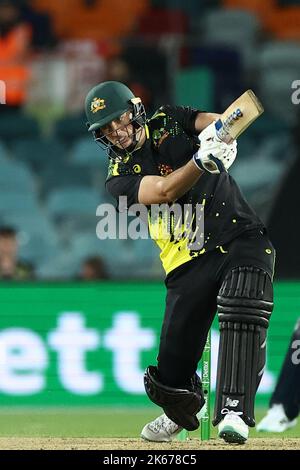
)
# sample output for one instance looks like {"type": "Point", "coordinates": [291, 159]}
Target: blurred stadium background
{"type": "Point", "coordinates": [80, 316]}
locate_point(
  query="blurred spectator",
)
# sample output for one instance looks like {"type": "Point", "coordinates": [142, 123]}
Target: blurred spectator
{"type": "Point", "coordinates": [15, 46]}
{"type": "Point", "coordinates": [93, 19]}
{"type": "Point", "coordinates": [10, 267]}
{"type": "Point", "coordinates": [287, 3]}
{"type": "Point", "coordinates": [118, 70]}
{"type": "Point", "coordinates": [283, 224]}
{"type": "Point", "coordinates": [145, 71]}
{"type": "Point", "coordinates": [284, 407]}
{"type": "Point", "coordinates": [93, 269]}
{"type": "Point", "coordinates": [191, 7]}
{"type": "Point", "coordinates": [42, 31]}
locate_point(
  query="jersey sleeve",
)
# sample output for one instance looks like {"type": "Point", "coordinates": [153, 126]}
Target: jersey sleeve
{"type": "Point", "coordinates": [185, 115]}
{"type": "Point", "coordinates": [124, 186]}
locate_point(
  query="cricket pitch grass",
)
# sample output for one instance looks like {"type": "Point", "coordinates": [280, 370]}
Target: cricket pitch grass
{"type": "Point", "coordinates": [113, 429]}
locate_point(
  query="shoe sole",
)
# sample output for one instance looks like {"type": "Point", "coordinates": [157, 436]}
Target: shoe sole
{"type": "Point", "coordinates": [152, 440]}
{"type": "Point", "coordinates": [232, 437]}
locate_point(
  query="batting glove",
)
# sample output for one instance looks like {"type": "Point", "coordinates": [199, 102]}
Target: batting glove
{"type": "Point", "coordinates": [214, 155]}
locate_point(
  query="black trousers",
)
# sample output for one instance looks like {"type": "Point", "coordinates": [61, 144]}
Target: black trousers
{"type": "Point", "coordinates": [287, 390]}
{"type": "Point", "coordinates": [191, 302]}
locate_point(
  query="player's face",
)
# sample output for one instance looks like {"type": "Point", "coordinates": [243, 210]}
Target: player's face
{"type": "Point", "coordinates": [8, 246]}
{"type": "Point", "coordinates": [119, 131]}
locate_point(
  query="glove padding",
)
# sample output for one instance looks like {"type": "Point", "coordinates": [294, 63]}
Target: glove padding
{"type": "Point", "coordinates": [209, 133]}
{"type": "Point", "coordinates": [214, 155]}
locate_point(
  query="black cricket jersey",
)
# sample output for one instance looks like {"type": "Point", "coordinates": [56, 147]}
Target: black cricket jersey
{"type": "Point", "coordinates": [171, 141]}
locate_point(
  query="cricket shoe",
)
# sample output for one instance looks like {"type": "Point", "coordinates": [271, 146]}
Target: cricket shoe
{"type": "Point", "coordinates": [276, 420]}
{"type": "Point", "coordinates": [162, 429]}
{"type": "Point", "coordinates": [233, 429]}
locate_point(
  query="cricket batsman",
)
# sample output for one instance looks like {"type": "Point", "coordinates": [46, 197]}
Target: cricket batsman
{"type": "Point", "coordinates": [176, 156]}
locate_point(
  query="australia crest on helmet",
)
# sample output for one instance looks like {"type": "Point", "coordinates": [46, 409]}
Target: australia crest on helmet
{"type": "Point", "coordinates": [97, 104]}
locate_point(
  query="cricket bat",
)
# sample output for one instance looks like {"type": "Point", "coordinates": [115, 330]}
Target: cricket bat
{"type": "Point", "coordinates": [238, 116]}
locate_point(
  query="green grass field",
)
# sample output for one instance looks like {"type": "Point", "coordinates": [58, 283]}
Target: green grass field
{"type": "Point", "coordinates": [93, 423]}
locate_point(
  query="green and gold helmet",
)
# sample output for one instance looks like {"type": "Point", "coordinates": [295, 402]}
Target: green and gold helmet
{"type": "Point", "coordinates": [107, 102]}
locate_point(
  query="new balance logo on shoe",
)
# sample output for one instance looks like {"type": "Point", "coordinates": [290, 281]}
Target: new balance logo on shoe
{"type": "Point", "coordinates": [232, 403]}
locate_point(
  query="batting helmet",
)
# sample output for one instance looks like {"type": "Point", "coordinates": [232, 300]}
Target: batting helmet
{"type": "Point", "coordinates": [108, 101]}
